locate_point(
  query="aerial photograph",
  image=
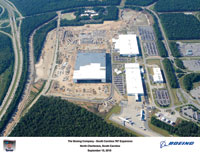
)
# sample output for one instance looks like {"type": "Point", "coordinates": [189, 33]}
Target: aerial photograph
{"type": "Point", "coordinates": [99, 68]}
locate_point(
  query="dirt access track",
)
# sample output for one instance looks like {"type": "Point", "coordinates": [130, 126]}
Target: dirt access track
{"type": "Point", "coordinates": [88, 38]}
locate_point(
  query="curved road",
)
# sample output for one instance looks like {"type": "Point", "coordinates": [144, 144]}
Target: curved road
{"type": "Point", "coordinates": [18, 56]}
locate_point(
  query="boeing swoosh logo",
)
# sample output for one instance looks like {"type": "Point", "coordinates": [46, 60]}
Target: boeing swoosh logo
{"type": "Point", "coordinates": [176, 143]}
{"type": "Point", "coordinates": [163, 144]}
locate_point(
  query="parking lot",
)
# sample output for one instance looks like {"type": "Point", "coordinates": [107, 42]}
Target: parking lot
{"type": "Point", "coordinates": [162, 97]}
{"type": "Point", "coordinates": [146, 33]}
{"type": "Point", "coordinates": [148, 38]}
{"type": "Point", "coordinates": [121, 59]}
{"type": "Point", "coordinates": [151, 49]}
{"type": "Point", "coordinates": [189, 49]}
{"type": "Point", "coordinates": [190, 113]}
{"type": "Point", "coordinates": [166, 118]}
{"type": "Point", "coordinates": [119, 81]}
{"type": "Point", "coordinates": [192, 65]}
{"type": "Point", "coordinates": [196, 93]}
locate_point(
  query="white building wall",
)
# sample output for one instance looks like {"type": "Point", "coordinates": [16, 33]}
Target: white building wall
{"type": "Point", "coordinates": [133, 80]}
{"type": "Point", "coordinates": [93, 71]}
{"type": "Point", "coordinates": [127, 45]}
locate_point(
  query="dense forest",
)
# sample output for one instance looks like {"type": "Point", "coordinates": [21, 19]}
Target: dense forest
{"type": "Point", "coordinates": [179, 63]}
{"type": "Point", "coordinates": [6, 52]}
{"type": "Point", "coordinates": [4, 15]}
{"type": "Point", "coordinates": [177, 5]}
{"type": "Point", "coordinates": [174, 49]}
{"type": "Point", "coordinates": [170, 73]}
{"type": "Point", "coordinates": [161, 48]}
{"type": "Point", "coordinates": [183, 129]}
{"type": "Point", "coordinates": [105, 14]}
{"type": "Point", "coordinates": [41, 6]}
{"type": "Point", "coordinates": [40, 36]}
{"type": "Point", "coordinates": [5, 80]}
{"type": "Point", "coordinates": [136, 8]}
{"type": "Point", "coordinates": [6, 29]}
{"type": "Point", "coordinates": [179, 26]}
{"type": "Point", "coordinates": [6, 64]}
{"type": "Point", "coordinates": [27, 27]}
{"type": "Point", "coordinates": [140, 2]}
{"type": "Point", "coordinates": [1, 10]}
{"type": "Point", "coordinates": [189, 79]}
{"type": "Point", "coordinates": [52, 116]}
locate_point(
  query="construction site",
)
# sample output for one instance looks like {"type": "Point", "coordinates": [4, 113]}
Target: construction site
{"type": "Point", "coordinates": [86, 60]}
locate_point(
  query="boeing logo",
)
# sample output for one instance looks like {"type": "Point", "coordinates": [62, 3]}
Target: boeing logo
{"type": "Point", "coordinates": [164, 144]}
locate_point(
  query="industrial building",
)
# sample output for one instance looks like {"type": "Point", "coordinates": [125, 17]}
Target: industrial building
{"type": "Point", "coordinates": [134, 80]}
{"type": "Point", "coordinates": [127, 45]}
{"type": "Point", "coordinates": [92, 68]}
{"type": "Point", "coordinates": [157, 77]}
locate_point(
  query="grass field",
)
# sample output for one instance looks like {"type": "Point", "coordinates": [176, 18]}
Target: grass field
{"type": "Point", "coordinates": [153, 62]}
{"type": "Point", "coordinates": [116, 110]}
{"type": "Point", "coordinates": [176, 100]}
{"type": "Point", "coordinates": [68, 16]}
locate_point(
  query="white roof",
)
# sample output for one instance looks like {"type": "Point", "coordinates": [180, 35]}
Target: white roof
{"type": "Point", "coordinates": [127, 44]}
{"type": "Point", "coordinates": [117, 71]}
{"type": "Point", "coordinates": [133, 79]}
{"type": "Point", "coordinates": [157, 77]}
{"type": "Point", "coordinates": [91, 71]}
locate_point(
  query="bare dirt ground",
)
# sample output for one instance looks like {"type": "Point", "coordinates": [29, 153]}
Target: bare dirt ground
{"type": "Point", "coordinates": [44, 65]}
{"type": "Point", "coordinates": [88, 38]}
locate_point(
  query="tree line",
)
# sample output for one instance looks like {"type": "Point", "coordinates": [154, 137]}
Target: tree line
{"type": "Point", "coordinates": [52, 116]}
{"type": "Point", "coordinates": [27, 27]}
{"type": "Point", "coordinates": [179, 63]}
{"type": "Point", "coordinates": [105, 14]}
{"type": "Point", "coordinates": [170, 73]}
{"type": "Point", "coordinates": [189, 79]}
{"type": "Point", "coordinates": [174, 49]}
{"type": "Point", "coordinates": [6, 52]}
{"type": "Point", "coordinates": [183, 129]}
{"type": "Point", "coordinates": [161, 48]}
{"type": "Point", "coordinates": [4, 15]}
{"type": "Point", "coordinates": [42, 6]}
{"type": "Point", "coordinates": [136, 8]}
{"type": "Point", "coordinates": [140, 2]}
{"type": "Point", "coordinates": [159, 38]}
{"type": "Point", "coordinates": [1, 9]}
{"type": "Point", "coordinates": [5, 81]}
{"type": "Point", "coordinates": [6, 64]}
{"type": "Point", "coordinates": [40, 37]}
{"type": "Point", "coordinates": [179, 26]}
{"type": "Point", "coordinates": [177, 5]}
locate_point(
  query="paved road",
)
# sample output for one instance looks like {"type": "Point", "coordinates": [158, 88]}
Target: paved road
{"type": "Point", "coordinates": [27, 90]}
{"type": "Point", "coordinates": [189, 98]}
{"type": "Point", "coordinates": [18, 57]}
{"type": "Point", "coordinates": [32, 75]}
{"type": "Point", "coordinates": [2, 10]}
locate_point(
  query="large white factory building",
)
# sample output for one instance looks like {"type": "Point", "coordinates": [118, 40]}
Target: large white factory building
{"type": "Point", "coordinates": [127, 45]}
{"type": "Point", "coordinates": [134, 80]}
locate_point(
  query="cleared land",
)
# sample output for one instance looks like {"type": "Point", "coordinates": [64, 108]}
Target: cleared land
{"type": "Point", "coordinates": [68, 16]}
{"type": "Point", "coordinates": [88, 38]}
